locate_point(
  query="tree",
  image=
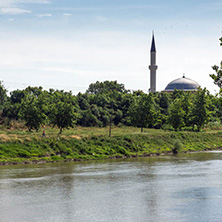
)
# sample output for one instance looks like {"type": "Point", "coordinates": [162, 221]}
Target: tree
{"type": "Point", "coordinates": [87, 118]}
{"type": "Point", "coordinates": [218, 77]}
{"type": "Point", "coordinates": [63, 110]}
{"type": "Point", "coordinates": [106, 86]}
{"type": "Point", "coordinates": [176, 114]}
{"type": "Point", "coordinates": [3, 95]}
{"type": "Point", "coordinates": [16, 96]}
{"type": "Point", "coordinates": [162, 101]}
{"type": "Point", "coordinates": [199, 113]}
{"type": "Point", "coordinates": [186, 104]}
{"type": "Point", "coordinates": [177, 94]}
{"type": "Point", "coordinates": [13, 105]}
{"type": "Point", "coordinates": [217, 103]}
{"type": "Point", "coordinates": [83, 101]}
{"type": "Point", "coordinates": [32, 112]}
{"type": "Point", "coordinates": [142, 112]}
{"type": "Point", "coordinates": [126, 101]}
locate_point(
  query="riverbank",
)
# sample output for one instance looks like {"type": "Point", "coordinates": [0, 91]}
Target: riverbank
{"type": "Point", "coordinates": [17, 147]}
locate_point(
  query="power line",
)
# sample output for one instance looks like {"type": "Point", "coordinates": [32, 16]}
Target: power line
{"type": "Point", "coordinates": [44, 85]}
{"type": "Point", "coordinates": [24, 85]}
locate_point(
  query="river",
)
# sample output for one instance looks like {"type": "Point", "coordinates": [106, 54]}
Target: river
{"type": "Point", "coordinates": [186, 187]}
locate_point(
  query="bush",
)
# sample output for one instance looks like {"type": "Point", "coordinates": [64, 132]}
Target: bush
{"type": "Point", "coordinates": [177, 146]}
{"type": "Point", "coordinates": [56, 158]}
{"type": "Point", "coordinates": [214, 125]}
{"type": "Point", "coordinates": [168, 127]}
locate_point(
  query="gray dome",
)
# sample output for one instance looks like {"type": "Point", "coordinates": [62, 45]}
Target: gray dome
{"type": "Point", "coordinates": [182, 84]}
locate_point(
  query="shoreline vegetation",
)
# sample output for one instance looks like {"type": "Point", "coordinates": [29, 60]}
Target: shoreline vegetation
{"type": "Point", "coordinates": [93, 143]}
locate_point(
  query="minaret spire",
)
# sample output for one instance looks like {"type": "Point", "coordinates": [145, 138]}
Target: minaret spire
{"type": "Point", "coordinates": [153, 46]}
{"type": "Point", "coordinates": [153, 66]}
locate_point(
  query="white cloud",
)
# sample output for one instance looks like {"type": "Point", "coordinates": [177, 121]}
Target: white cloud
{"type": "Point", "coordinates": [12, 7]}
{"type": "Point", "coordinates": [13, 11]}
{"type": "Point", "coordinates": [44, 15]}
{"type": "Point", "coordinates": [33, 1]}
{"type": "Point", "coordinates": [12, 3]}
{"type": "Point", "coordinates": [67, 14]}
{"type": "Point", "coordinates": [117, 7]}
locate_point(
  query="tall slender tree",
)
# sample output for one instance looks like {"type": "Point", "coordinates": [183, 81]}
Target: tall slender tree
{"type": "Point", "coordinates": [199, 113]}
{"type": "Point", "coordinates": [176, 114]}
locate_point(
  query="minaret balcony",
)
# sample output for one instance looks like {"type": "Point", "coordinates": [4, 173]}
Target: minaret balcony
{"type": "Point", "coordinates": [153, 67]}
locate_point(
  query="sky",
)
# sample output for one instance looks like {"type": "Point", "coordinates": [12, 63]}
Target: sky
{"type": "Point", "coordinates": [70, 44]}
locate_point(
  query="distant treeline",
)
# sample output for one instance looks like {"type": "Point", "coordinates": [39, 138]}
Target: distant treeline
{"type": "Point", "coordinates": [106, 103]}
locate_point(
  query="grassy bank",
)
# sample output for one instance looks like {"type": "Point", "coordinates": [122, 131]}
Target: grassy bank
{"type": "Point", "coordinates": [20, 146]}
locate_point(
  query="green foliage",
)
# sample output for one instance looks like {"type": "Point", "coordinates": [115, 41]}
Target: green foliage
{"type": "Point", "coordinates": [3, 96]}
{"type": "Point", "coordinates": [199, 113]}
{"type": "Point", "coordinates": [218, 76]}
{"type": "Point", "coordinates": [142, 112]}
{"type": "Point", "coordinates": [164, 102]}
{"type": "Point", "coordinates": [176, 115]}
{"type": "Point", "coordinates": [13, 105]}
{"type": "Point", "coordinates": [32, 112]}
{"type": "Point", "coordinates": [24, 153]}
{"type": "Point", "coordinates": [107, 104]}
{"type": "Point", "coordinates": [177, 146]}
{"type": "Point", "coordinates": [124, 144]}
{"type": "Point", "coordinates": [104, 87]}
{"type": "Point", "coordinates": [63, 110]}
{"type": "Point", "coordinates": [185, 105]}
{"type": "Point", "coordinates": [177, 94]}
{"type": "Point", "coordinates": [214, 125]}
{"type": "Point", "coordinates": [88, 119]}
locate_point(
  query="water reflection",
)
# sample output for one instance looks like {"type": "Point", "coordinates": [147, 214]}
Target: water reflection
{"type": "Point", "coordinates": [187, 187]}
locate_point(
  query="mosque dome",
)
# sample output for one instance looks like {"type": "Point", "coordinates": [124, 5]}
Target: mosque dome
{"type": "Point", "coordinates": [183, 83]}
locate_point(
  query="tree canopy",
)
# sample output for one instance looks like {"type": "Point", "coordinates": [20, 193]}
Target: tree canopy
{"type": "Point", "coordinates": [104, 87]}
{"type": "Point", "coordinates": [142, 112]}
{"type": "Point", "coordinates": [199, 113]}
{"type": "Point", "coordinates": [110, 104]}
{"type": "Point", "coordinates": [63, 110]}
{"type": "Point", "coordinates": [176, 114]}
{"type": "Point", "coordinates": [218, 76]}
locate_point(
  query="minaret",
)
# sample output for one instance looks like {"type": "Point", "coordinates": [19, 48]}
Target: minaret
{"type": "Point", "coordinates": [153, 66]}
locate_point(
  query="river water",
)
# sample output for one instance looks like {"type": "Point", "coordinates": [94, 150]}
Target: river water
{"type": "Point", "coordinates": [187, 187]}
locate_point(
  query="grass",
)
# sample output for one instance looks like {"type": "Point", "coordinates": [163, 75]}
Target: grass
{"type": "Point", "coordinates": [82, 143]}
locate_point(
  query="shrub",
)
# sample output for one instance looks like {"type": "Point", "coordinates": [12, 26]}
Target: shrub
{"type": "Point", "coordinates": [214, 125]}
{"type": "Point", "coordinates": [168, 127]}
{"type": "Point", "coordinates": [56, 158]}
{"type": "Point", "coordinates": [177, 146]}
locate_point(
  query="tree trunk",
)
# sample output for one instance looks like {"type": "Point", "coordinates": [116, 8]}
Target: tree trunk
{"type": "Point", "coordinates": [60, 132]}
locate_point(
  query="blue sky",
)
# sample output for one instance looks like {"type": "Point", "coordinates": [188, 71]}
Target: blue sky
{"type": "Point", "coordinates": [72, 43]}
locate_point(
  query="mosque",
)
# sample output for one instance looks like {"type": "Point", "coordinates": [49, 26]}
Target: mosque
{"type": "Point", "coordinates": [183, 83]}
